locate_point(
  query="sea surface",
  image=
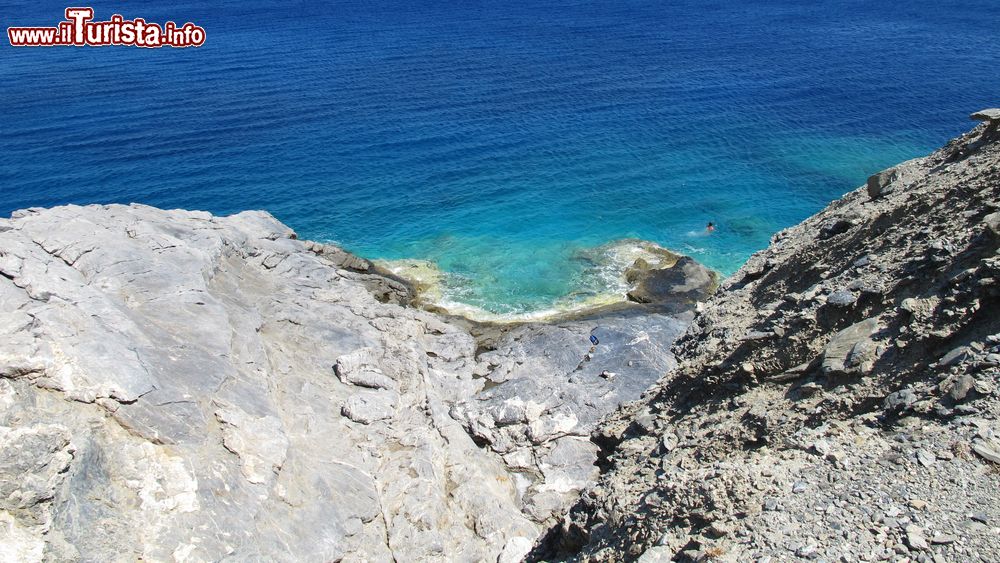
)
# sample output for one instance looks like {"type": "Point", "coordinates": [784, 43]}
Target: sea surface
{"type": "Point", "coordinates": [514, 152]}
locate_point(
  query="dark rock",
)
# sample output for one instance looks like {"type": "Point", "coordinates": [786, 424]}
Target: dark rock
{"type": "Point", "coordinates": [678, 286]}
{"type": "Point", "coordinates": [834, 227]}
{"type": "Point", "coordinates": [956, 356]}
{"type": "Point", "coordinates": [900, 400]}
{"type": "Point", "coordinates": [810, 389]}
{"type": "Point", "coordinates": [960, 388]}
{"type": "Point", "coordinates": [841, 298]}
{"type": "Point", "coordinates": [880, 184]}
{"type": "Point", "coordinates": [340, 257]}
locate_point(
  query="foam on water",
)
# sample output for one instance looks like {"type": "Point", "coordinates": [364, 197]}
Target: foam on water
{"type": "Point", "coordinates": [599, 280]}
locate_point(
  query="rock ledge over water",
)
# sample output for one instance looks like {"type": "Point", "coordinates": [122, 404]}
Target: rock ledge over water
{"type": "Point", "coordinates": [178, 386]}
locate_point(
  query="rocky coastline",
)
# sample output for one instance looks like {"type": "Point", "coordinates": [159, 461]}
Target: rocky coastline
{"type": "Point", "coordinates": [176, 386]}
{"type": "Point", "coordinates": [188, 387]}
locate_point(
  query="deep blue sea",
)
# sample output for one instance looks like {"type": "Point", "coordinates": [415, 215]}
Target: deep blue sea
{"type": "Point", "coordinates": [512, 145]}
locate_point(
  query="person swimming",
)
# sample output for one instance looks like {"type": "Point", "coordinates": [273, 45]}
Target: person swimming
{"type": "Point", "coordinates": [710, 227]}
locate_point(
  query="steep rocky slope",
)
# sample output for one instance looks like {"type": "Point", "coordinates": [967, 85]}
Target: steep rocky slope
{"type": "Point", "coordinates": [836, 400]}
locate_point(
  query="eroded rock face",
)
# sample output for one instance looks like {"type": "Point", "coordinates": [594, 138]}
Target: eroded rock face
{"type": "Point", "coordinates": [180, 386]}
{"type": "Point", "coordinates": [546, 387]}
{"type": "Point", "coordinates": [177, 386]}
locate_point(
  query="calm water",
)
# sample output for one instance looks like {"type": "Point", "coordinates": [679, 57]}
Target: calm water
{"type": "Point", "coordinates": [506, 142]}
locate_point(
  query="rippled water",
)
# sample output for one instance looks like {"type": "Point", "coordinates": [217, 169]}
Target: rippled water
{"type": "Point", "coordinates": [503, 141]}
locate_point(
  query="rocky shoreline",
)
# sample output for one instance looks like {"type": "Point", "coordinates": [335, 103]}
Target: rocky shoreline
{"type": "Point", "coordinates": [626, 275]}
{"type": "Point", "coordinates": [188, 387]}
{"type": "Point", "coordinates": [178, 386]}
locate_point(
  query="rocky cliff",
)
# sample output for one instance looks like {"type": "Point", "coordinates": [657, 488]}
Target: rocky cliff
{"type": "Point", "coordinates": [178, 386]}
{"type": "Point", "coordinates": [837, 398]}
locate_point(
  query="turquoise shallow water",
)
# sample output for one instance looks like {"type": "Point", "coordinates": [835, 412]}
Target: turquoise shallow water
{"type": "Point", "coordinates": [509, 144]}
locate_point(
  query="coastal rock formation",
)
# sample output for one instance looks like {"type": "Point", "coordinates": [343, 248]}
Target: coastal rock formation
{"type": "Point", "coordinates": [675, 287]}
{"type": "Point", "coordinates": [177, 386]}
{"type": "Point", "coordinates": [992, 118]}
{"type": "Point", "coordinates": [835, 400]}
{"type": "Point", "coordinates": [547, 385]}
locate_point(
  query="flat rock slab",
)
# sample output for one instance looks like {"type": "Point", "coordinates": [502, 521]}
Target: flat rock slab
{"type": "Point", "coordinates": [850, 350]}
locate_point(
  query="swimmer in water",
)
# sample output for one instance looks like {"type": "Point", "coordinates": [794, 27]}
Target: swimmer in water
{"type": "Point", "coordinates": [710, 227]}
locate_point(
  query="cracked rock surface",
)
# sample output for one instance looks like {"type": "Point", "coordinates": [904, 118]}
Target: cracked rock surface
{"type": "Point", "coordinates": [545, 390]}
{"type": "Point", "coordinates": [177, 386]}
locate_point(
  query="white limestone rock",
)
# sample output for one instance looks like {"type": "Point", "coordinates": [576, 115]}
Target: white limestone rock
{"type": "Point", "coordinates": [189, 358]}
